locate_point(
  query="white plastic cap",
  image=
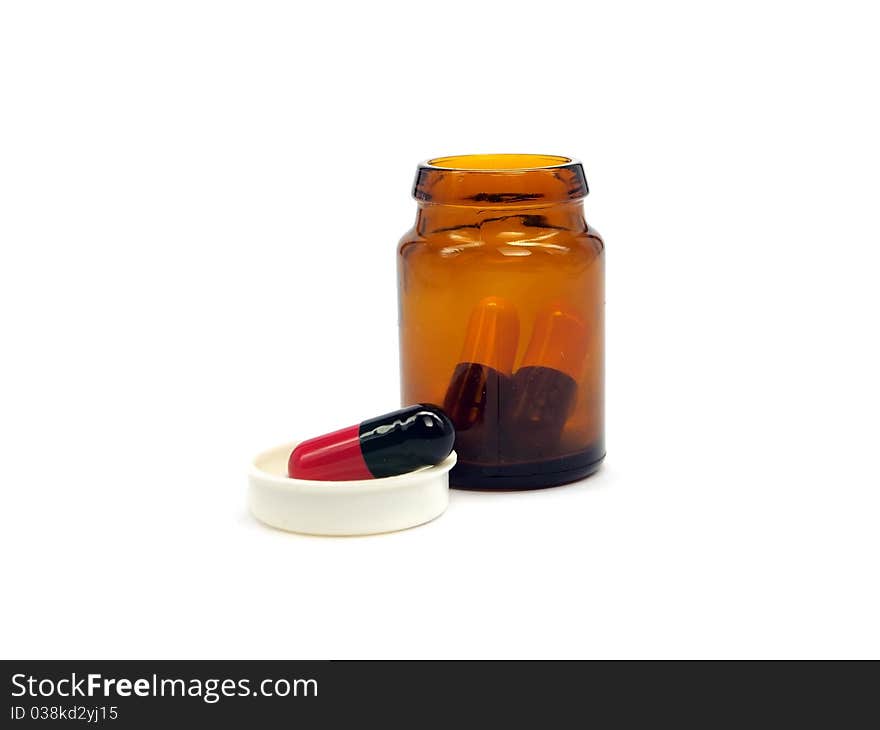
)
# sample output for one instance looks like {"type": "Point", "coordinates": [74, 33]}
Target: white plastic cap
{"type": "Point", "coordinates": [362, 507]}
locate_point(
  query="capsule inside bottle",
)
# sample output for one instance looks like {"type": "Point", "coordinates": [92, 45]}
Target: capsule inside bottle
{"type": "Point", "coordinates": [544, 388]}
{"type": "Point", "coordinates": [481, 379]}
{"type": "Point", "coordinates": [394, 443]}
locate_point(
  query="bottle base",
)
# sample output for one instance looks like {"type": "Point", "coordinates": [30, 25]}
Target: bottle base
{"type": "Point", "coordinates": [526, 475]}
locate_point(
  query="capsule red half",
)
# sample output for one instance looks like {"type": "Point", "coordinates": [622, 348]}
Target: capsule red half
{"type": "Point", "coordinates": [395, 443]}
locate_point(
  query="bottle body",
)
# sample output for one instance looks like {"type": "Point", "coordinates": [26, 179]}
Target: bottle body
{"type": "Point", "coordinates": [501, 303]}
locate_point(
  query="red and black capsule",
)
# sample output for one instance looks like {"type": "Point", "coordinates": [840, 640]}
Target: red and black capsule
{"type": "Point", "coordinates": [398, 442]}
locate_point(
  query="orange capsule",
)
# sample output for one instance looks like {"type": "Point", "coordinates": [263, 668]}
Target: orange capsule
{"type": "Point", "coordinates": [544, 388]}
{"type": "Point", "coordinates": [480, 381]}
{"type": "Point", "coordinates": [492, 335]}
{"type": "Point", "coordinates": [559, 341]}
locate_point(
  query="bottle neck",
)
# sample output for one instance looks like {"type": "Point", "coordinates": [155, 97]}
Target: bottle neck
{"type": "Point", "coordinates": [436, 218]}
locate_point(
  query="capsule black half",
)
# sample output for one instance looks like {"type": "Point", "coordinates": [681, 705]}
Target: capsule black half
{"type": "Point", "coordinates": [395, 443]}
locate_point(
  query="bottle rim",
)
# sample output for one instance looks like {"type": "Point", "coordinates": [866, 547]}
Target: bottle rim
{"type": "Point", "coordinates": [499, 162]}
{"type": "Point", "coordinates": [499, 180]}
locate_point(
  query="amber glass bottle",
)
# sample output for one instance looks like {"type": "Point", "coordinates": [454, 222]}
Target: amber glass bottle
{"type": "Point", "coordinates": [501, 286]}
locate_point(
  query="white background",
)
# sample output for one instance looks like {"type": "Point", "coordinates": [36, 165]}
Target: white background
{"type": "Point", "coordinates": [199, 208]}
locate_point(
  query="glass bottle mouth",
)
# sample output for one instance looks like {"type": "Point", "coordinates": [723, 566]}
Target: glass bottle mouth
{"type": "Point", "coordinates": [500, 180]}
{"type": "Point", "coordinates": [498, 163]}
